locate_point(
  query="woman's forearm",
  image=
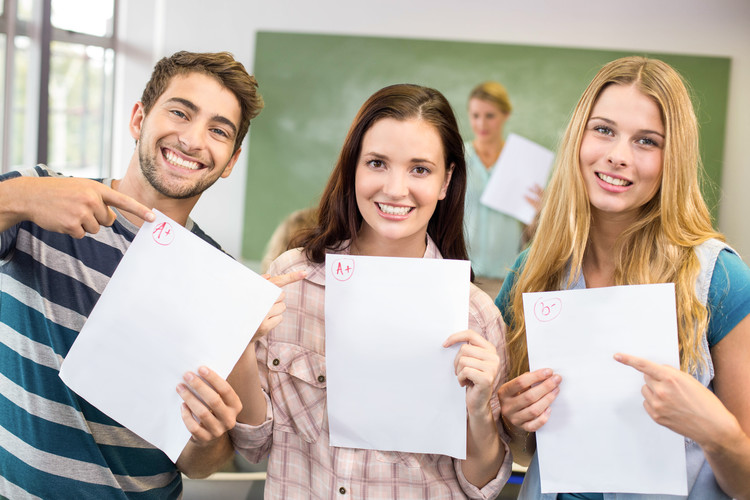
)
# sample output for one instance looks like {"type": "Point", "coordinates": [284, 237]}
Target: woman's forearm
{"type": "Point", "coordinates": [485, 452]}
{"type": "Point", "coordinates": [522, 443]}
{"type": "Point", "coordinates": [245, 380]}
{"type": "Point", "coordinates": [729, 457]}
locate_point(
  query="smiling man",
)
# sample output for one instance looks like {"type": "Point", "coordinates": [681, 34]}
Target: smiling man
{"type": "Point", "coordinates": [61, 239]}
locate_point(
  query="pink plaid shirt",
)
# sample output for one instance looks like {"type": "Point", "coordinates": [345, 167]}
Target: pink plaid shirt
{"type": "Point", "coordinates": [302, 464]}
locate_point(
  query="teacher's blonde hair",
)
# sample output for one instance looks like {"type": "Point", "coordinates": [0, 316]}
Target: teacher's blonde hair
{"type": "Point", "coordinates": [494, 92]}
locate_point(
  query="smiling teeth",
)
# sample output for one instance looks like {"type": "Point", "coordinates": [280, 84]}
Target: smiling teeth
{"type": "Point", "coordinates": [613, 181]}
{"type": "Point", "coordinates": [391, 210]}
{"type": "Point", "coordinates": [176, 160]}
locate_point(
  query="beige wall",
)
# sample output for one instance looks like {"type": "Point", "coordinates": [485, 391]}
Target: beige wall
{"type": "Point", "coordinates": [154, 28]}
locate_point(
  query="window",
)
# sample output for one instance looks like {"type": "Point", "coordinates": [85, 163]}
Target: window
{"type": "Point", "coordinates": [66, 48]}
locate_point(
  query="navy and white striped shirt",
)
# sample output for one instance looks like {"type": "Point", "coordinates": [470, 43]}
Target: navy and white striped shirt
{"type": "Point", "coordinates": [52, 443]}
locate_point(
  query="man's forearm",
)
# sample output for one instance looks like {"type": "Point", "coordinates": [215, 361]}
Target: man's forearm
{"type": "Point", "coordinates": [198, 461]}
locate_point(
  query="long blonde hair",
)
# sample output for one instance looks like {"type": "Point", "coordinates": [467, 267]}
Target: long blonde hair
{"type": "Point", "coordinates": [658, 247]}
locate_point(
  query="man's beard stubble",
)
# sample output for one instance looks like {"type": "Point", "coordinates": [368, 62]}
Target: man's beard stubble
{"type": "Point", "coordinates": [150, 172]}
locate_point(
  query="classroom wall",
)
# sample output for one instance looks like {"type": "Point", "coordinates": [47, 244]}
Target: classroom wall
{"type": "Point", "coordinates": [150, 29]}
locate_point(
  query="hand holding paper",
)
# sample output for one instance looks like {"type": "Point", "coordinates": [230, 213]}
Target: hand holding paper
{"type": "Point", "coordinates": [274, 316]}
{"type": "Point", "coordinates": [477, 368]}
{"type": "Point", "coordinates": [597, 419]}
{"type": "Point", "coordinates": [390, 381]}
{"type": "Point", "coordinates": [521, 171]}
{"type": "Point", "coordinates": [525, 401]}
{"type": "Point", "coordinates": [173, 304]}
{"type": "Point", "coordinates": [211, 406]}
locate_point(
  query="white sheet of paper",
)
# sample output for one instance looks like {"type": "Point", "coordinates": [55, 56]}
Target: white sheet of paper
{"type": "Point", "coordinates": [522, 164]}
{"type": "Point", "coordinates": [391, 385]}
{"type": "Point", "coordinates": [599, 437]}
{"type": "Point", "coordinates": [174, 303]}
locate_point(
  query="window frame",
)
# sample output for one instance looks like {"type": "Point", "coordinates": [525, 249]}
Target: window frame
{"type": "Point", "coordinates": [41, 32]}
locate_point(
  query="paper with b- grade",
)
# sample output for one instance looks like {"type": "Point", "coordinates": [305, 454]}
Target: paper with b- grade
{"type": "Point", "coordinates": [391, 385]}
{"type": "Point", "coordinates": [174, 303]}
{"type": "Point", "coordinates": [599, 437]}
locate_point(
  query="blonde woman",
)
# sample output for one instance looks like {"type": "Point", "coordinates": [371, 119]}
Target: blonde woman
{"type": "Point", "coordinates": [293, 224]}
{"type": "Point", "coordinates": [624, 207]}
{"type": "Point", "coordinates": [493, 238]}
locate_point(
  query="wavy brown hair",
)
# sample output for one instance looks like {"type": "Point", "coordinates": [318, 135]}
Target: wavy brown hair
{"type": "Point", "coordinates": [658, 247]}
{"type": "Point", "coordinates": [339, 218]}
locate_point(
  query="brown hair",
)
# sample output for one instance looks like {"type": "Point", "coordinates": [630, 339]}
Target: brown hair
{"type": "Point", "coordinates": [339, 218]}
{"type": "Point", "coordinates": [220, 65]}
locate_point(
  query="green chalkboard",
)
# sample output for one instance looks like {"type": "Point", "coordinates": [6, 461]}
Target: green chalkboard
{"type": "Point", "coordinates": [313, 86]}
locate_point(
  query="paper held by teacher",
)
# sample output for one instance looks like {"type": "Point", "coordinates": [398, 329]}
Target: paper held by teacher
{"type": "Point", "coordinates": [173, 304]}
{"type": "Point", "coordinates": [523, 164]}
{"type": "Point", "coordinates": [599, 437]}
{"type": "Point", "coordinates": [390, 383]}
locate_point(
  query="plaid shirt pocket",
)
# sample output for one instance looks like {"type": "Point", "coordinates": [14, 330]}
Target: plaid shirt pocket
{"type": "Point", "coordinates": [297, 381]}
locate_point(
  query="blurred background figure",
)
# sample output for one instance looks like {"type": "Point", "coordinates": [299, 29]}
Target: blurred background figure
{"type": "Point", "coordinates": [493, 238]}
{"type": "Point", "coordinates": [279, 241]}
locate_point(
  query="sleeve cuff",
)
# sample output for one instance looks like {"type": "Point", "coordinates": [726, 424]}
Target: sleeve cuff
{"type": "Point", "coordinates": [253, 441]}
{"type": "Point", "coordinates": [493, 488]}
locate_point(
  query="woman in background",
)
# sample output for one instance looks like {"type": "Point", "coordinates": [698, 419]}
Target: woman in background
{"type": "Point", "coordinates": [624, 207]}
{"type": "Point", "coordinates": [493, 237]}
{"type": "Point", "coordinates": [397, 190]}
{"type": "Point", "coordinates": [290, 227]}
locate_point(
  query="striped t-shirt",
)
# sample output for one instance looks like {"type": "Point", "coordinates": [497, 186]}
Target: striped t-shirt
{"type": "Point", "coordinates": [54, 444]}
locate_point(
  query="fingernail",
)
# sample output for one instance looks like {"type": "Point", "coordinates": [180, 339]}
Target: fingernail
{"type": "Point", "coordinates": [618, 357]}
{"type": "Point", "coordinates": [203, 370]}
{"type": "Point", "coordinates": [547, 372]}
{"type": "Point", "coordinates": [188, 377]}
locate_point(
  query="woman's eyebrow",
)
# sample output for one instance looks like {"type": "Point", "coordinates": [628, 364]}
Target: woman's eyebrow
{"type": "Point", "coordinates": [422, 160]}
{"type": "Point", "coordinates": [612, 122]}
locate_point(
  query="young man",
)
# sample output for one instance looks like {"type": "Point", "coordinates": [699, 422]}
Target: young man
{"type": "Point", "coordinates": [61, 239]}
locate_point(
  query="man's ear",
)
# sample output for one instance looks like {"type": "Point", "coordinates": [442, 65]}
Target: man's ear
{"type": "Point", "coordinates": [444, 189]}
{"type": "Point", "coordinates": [136, 120]}
{"type": "Point", "coordinates": [230, 165]}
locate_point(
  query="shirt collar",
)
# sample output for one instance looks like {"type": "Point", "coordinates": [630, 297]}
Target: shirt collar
{"type": "Point", "coordinates": [316, 273]}
{"type": "Point", "coordinates": [579, 282]}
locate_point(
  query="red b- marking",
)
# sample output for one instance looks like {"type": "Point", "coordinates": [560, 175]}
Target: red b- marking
{"type": "Point", "coordinates": [547, 309]}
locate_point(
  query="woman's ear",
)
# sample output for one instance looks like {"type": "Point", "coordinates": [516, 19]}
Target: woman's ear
{"type": "Point", "coordinates": [444, 189]}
